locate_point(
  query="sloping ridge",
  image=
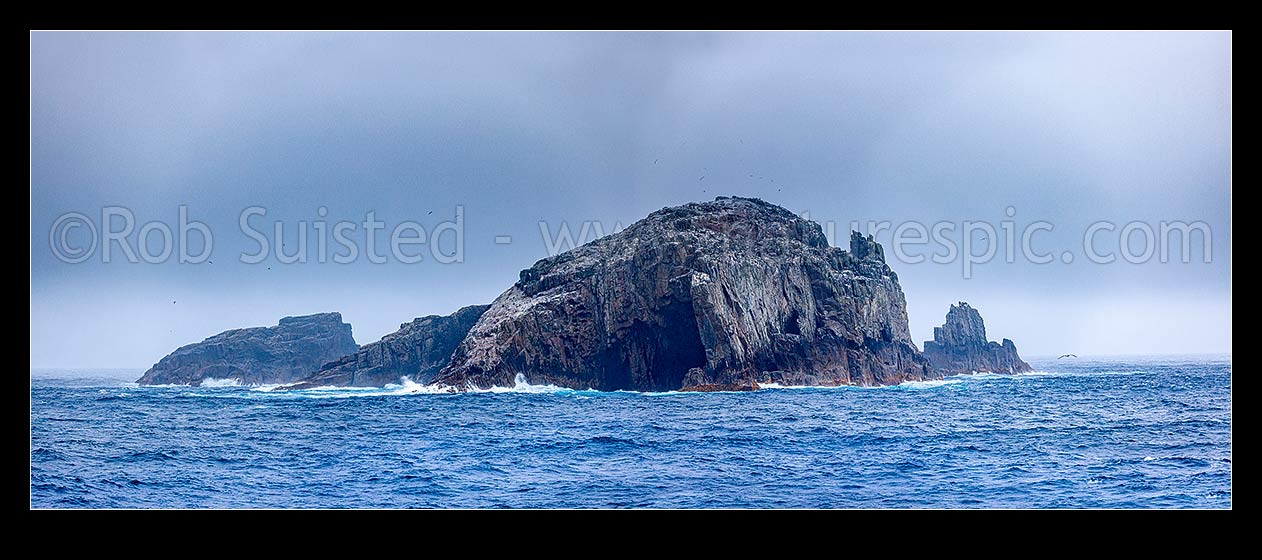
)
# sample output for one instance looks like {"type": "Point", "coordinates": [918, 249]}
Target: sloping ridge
{"type": "Point", "coordinates": [418, 350]}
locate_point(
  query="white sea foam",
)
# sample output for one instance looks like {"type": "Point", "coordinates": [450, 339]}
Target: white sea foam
{"type": "Point", "coordinates": [983, 375]}
{"type": "Point", "coordinates": [521, 385]}
{"type": "Point", "coordinates": [779, 386]}
{"type": "Point", "coordinates": [409, 387]}
{"type": "Point", "coordinates": [775, 386]}
{"type": "Point", "coordinates": [929, 384]}
{"type": "Point", "coordinates": [333, 388]}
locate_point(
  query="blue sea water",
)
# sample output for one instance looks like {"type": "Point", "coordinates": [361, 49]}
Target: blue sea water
{"type": "Point", "coordinates": [1118, 432]}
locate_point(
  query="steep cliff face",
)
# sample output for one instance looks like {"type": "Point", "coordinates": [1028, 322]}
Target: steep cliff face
{"type": "Point", "coordinates": [715, 294]}
{"type": "Point", "coordinates": [417, 351]}
{"type": "Point", "coordinates": [960, 346]}
{"type": "Point", "coordinates": [260, 355]}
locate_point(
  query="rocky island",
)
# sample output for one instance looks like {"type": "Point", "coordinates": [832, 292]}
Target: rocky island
{"type": "Point", "coordinates": [416, 351]}
{"type": "Point", "coordinates": [719, 295]}
{"type": "Point", "coordinates": [285, 353]}
{"type": "Point", "coordinates": [960, 346]}
{"type": "Point", "coordinates": [710, 296]}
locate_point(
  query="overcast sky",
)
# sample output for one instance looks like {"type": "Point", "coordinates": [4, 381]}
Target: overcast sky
{"type": "Point", "coordinates": [1068, 128]}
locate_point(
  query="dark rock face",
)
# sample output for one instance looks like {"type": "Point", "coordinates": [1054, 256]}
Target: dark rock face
{"type": "Point", "coordinates": [260, 355]}
{"type": "Point", "coordinates": [724, 293]}
{"type": "Point", "coordinates": [417, 351]}
{"type": "Point", "coordinates": [697, 381]}
{"type": "Point", "coordinates": [725, 387]}
{"type": "Point", "coordinates": [960, 346]}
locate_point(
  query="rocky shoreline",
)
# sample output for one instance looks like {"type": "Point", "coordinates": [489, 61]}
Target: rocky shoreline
{"type": "Point", "coordinates": [709, 296]}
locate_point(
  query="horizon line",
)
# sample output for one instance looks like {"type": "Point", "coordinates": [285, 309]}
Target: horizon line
{"type": "Point", "coordinates": [1031, 356]}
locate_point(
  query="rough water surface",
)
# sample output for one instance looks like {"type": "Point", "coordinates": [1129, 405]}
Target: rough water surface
{"type": "Point", "coordinates": [1125, 432]}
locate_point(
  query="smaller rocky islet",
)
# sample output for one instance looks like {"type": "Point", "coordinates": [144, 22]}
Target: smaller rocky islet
{"type": "Point", "coordinates": [285, 353]}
